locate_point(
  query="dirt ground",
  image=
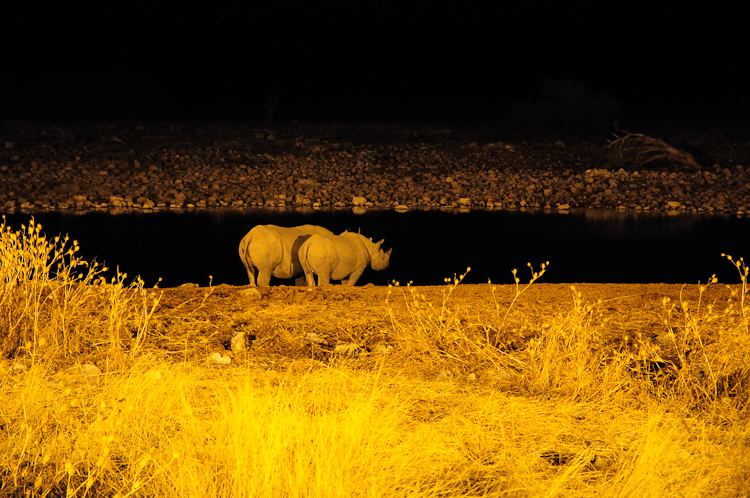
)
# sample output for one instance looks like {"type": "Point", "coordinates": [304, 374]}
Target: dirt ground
{"type": "Point", "coordinates": [196, 322]}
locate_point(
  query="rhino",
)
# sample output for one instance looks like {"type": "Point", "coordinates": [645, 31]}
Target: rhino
{"type": "Point", "coordinates": [340, 257]}
{"type": "Point", "coordinates": [273, 250]}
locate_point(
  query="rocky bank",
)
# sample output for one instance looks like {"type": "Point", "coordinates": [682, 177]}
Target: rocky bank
{"type": "Point", "coordinates": [126, 166]}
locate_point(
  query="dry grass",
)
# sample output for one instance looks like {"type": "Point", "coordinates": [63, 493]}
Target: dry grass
{"type": "Point", "coordinates": [478, 391]}
{"type": "Point", "coordinates": [636, 151]}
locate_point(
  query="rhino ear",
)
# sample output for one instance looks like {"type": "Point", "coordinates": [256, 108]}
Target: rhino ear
{"type": "Point", "coordinates": [380, 243]}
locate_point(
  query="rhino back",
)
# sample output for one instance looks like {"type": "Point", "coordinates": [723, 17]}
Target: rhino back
{"type": "Point", "coordinates": [351, 255]}
{"type": "Point", "coordinates": [264, 247]}
{"type": "Point", "coordinates": [276, 248]}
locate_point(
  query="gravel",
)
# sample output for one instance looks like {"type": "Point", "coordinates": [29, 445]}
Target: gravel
{"type": "Point", "coordinates": [122, 166]}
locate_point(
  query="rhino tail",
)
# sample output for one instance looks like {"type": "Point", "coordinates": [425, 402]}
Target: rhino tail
{"type": "Point", "coordinates": [302, 255]}
{"type": "Point", "coordinates": [246, 261]}
{"type": "Point", "coordinates": [244, 244]}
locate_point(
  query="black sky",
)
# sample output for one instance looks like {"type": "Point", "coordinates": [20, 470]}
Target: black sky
{"type": "Point", "coordinates": [370, 60]}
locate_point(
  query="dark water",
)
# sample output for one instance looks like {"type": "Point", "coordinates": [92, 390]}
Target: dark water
{"type": "Point", "coordinates": [609, 247]}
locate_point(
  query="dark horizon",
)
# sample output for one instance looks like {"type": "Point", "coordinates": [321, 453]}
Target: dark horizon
{"type": "Point", "coordinates": [377, 63]}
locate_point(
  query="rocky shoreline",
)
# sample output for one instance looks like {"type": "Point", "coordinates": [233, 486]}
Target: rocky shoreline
{"type": "Point", "coordinates": [121, 167]}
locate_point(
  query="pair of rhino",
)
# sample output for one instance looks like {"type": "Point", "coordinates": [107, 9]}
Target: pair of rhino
{"type": "Point", "coordinates": [288, 252]}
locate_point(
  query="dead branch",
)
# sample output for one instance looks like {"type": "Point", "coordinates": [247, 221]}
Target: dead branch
{"type": "Point", "coordinates": [636, 151]}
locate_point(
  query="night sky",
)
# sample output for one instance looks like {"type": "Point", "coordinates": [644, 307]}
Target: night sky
{"type": "Point", "coordinates": [373, 61]}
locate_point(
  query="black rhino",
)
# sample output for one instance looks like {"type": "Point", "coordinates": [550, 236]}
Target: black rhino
{"type": "Point", "coordinates": [340, 257]}
{"type": "Point", "coordinates": [273, 250]}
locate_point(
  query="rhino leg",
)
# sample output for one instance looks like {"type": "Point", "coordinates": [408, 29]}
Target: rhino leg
{"type": "Point", "coordinates": [352, 281]}
{"type": "Point", "coordinates": [300, 281]}
{"type": "Point", "coordinates": [264, 277]}
{"type": "Point", "coordinates": [323, 279]}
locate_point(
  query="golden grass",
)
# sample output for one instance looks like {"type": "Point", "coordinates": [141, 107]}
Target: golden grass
{"type": "Point", "coordinates": [105, 389]}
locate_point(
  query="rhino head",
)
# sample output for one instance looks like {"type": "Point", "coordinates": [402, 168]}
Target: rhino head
{"type": "Point", "coordinates": [380, 259]}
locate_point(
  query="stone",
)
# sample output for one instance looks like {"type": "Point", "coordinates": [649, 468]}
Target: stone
{"type": "Point", "coordinates": [240, 342]}
{"type": "Point", "coordinates": [252, 293]}
{"type": "Point", "coordinates": [315, 338]}
{"type": "Point", "coordinates": [90, 370]}
{"type": "Point", "coordinates": [359, 201]}
{"type": "Point", "coordinates": [349, 348]}
{"type": "Point", "coordinates": [145, 202]}
{"type": "Point", "coordinates": [382, 348]}
{"type": "Point", "coordinates": [220, 359]}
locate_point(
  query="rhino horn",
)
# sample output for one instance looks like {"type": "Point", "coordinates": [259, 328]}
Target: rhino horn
{"type": "Point", "coordinates": [388, 252]}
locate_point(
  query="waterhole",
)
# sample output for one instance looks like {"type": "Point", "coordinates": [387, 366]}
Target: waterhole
{"type": "Point", "coordinates": [428, 246]}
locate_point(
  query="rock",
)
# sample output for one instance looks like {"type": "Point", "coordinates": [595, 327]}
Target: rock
{"type": "Point", "coordinates": [240, 342]}
{"type": "Point", "coordinates": [220, 359]}
{"type": "Point", "coordinates": [145, 202]}
{"type": "Point", "coordinates": [359, 210]}
{"type": "Point", "coordinates": [382, 348]}
{"type": "Point", "coordinates": [90, 370]}
{"type": "Point", "coordinates": [464, 201]}
{"type": "Point", "coordinates": [400, 208]}
{"type": "Point", "coordinates": [315, 338]}
{"type": "Point", "coordinates": [18, 368]}
{"type": "Point", "coordinates": [252, 293]}
{"type": "Point", "coordinates": [188, 286]}
{"type": "Point", "coordinates": [349, 348]}
{"type": "Point", "coordinates": [359, 201]}
{"type": "Point", "coordinates": [9, 145]}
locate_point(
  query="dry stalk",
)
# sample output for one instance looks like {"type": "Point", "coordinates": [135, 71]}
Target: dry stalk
{"type": "Point", "coordinates": [637, 151]}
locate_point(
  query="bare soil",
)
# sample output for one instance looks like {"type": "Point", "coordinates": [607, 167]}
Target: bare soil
{"type": "Point", "coordinates": [194, 322]}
